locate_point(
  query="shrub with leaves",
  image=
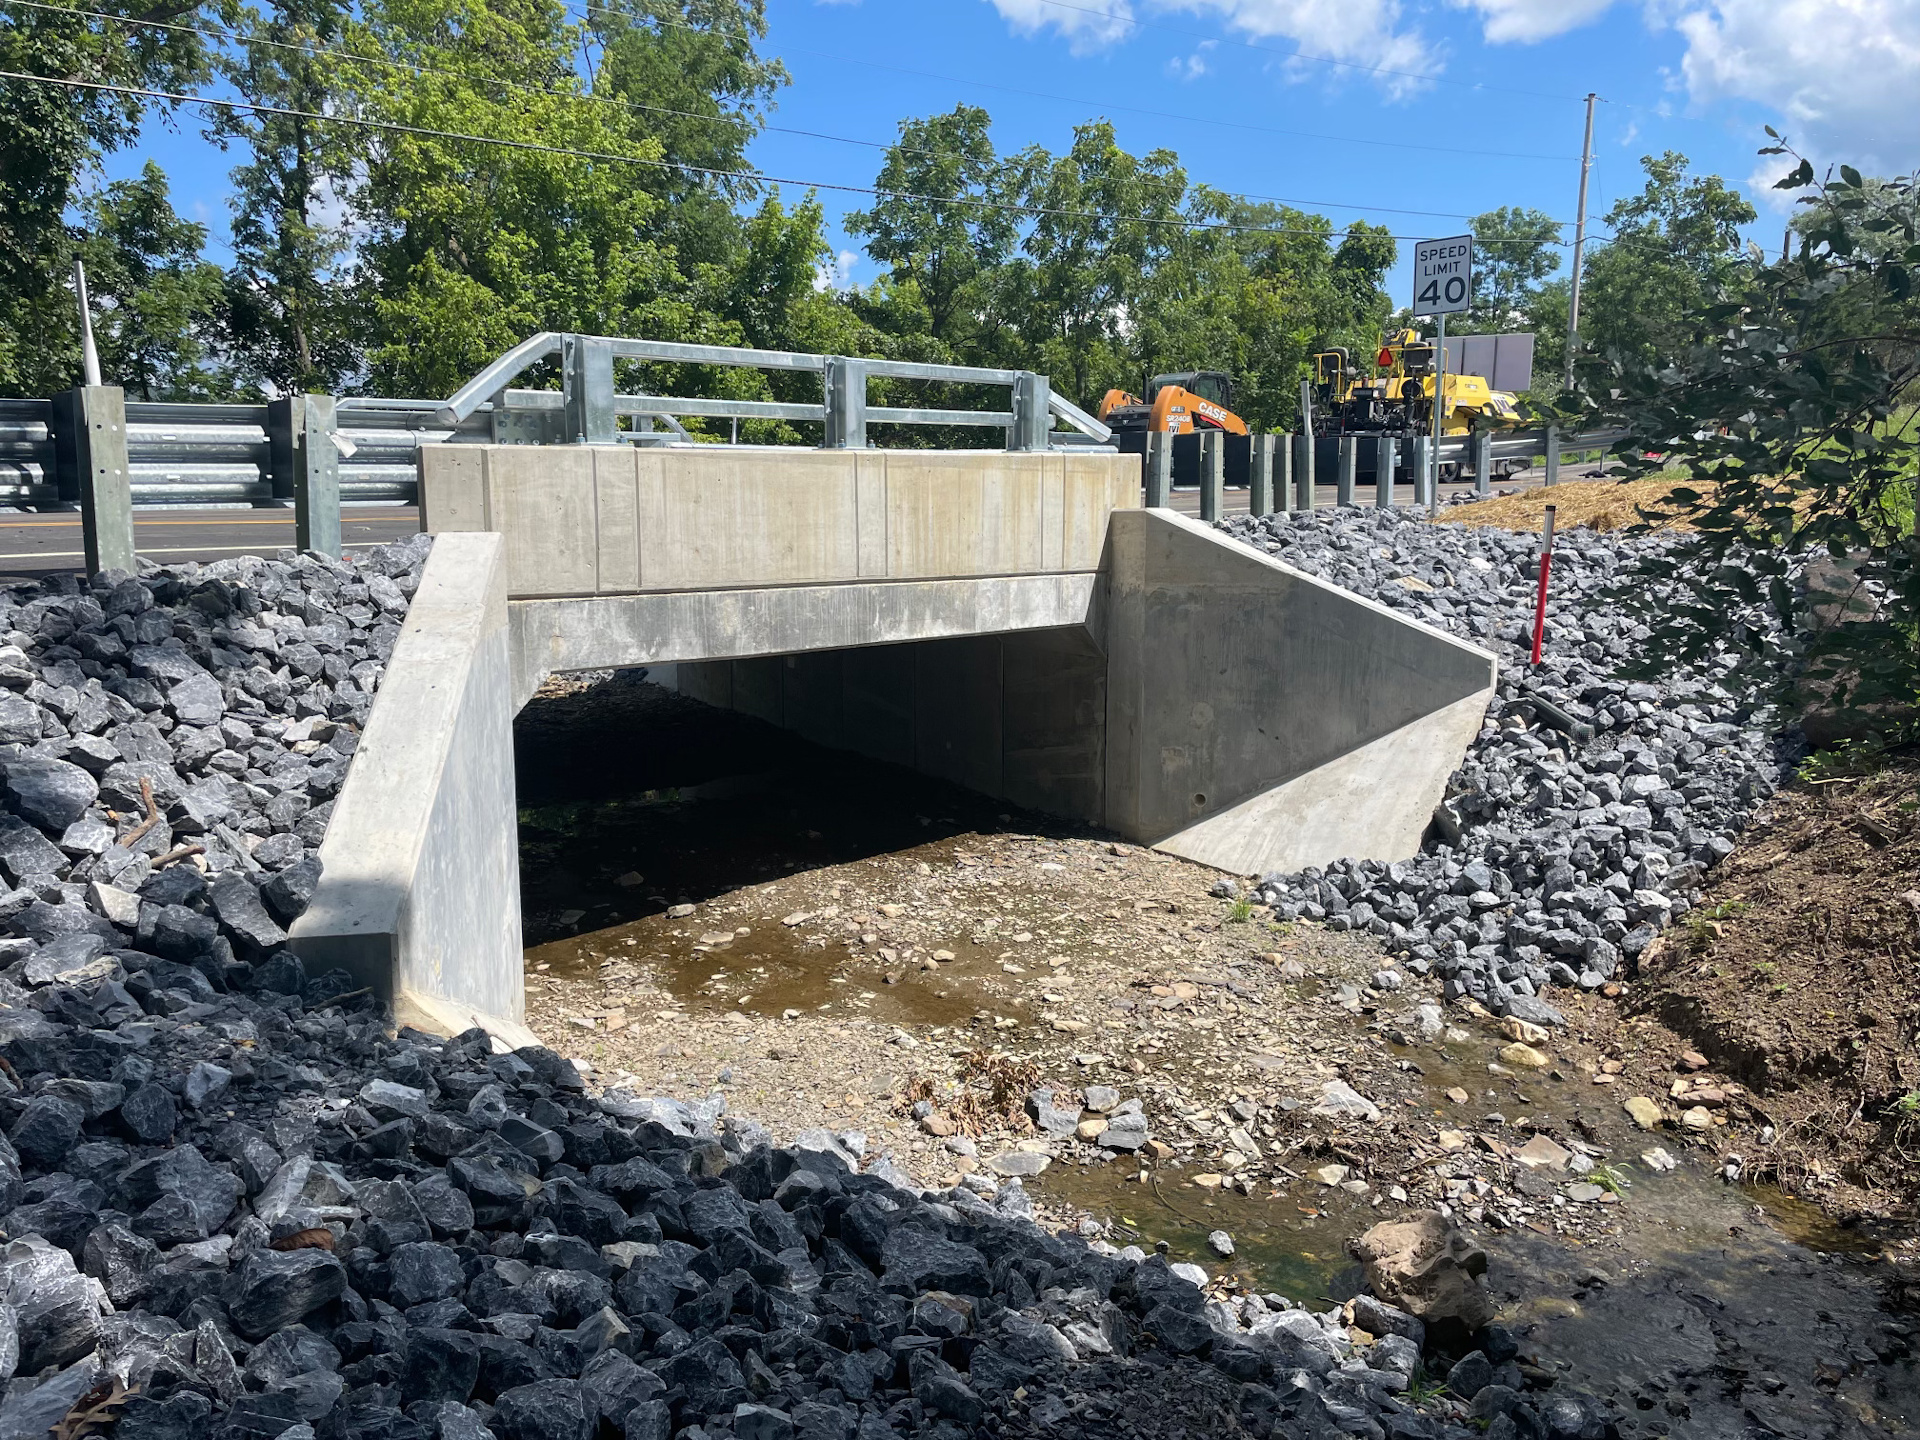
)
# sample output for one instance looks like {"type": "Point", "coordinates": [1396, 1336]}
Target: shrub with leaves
{"type": "Point", "coordinates": [1792, 415]}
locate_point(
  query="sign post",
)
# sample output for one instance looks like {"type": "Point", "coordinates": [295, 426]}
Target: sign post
{"type": "Point", "coordinates": [1442, 286]}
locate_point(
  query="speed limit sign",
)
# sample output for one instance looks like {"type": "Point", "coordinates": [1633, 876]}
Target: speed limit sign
{"type": "Point", "coordinates": [1442, 275]}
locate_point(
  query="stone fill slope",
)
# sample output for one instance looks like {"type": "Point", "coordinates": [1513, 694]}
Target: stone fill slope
{"type": "Point", "coordinates": [1589, 808]}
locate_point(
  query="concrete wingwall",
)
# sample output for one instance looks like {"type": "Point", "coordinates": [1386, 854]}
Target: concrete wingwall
{"type": "Point", "coordinates": [419, 895]}
{"type": "Point", "coordinates": [1261, 719]}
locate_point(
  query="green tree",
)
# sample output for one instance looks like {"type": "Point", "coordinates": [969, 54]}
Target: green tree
{"type": "Point", "coordinates": [947, 250]}
{"type": "Point", "coordinates": [51, 137]}
{"type": "Point", "coordinates": [292, 324]}
{"type": "Point", "coordinates": [1515, 254]}
{"type": "Point", "coordinates": [155, 299]}
{"type": "Point", "coordinates": [1676, 245]}
{"type": "Point", "coordinates": [468, 248]}
{"type": "Point", "coordinates": [1789, 407]}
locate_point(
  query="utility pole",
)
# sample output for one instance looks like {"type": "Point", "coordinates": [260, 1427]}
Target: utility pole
{"type": "Point", "coordinates": [1579, 243]}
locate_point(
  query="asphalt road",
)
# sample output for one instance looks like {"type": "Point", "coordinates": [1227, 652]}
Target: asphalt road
{"type": "Point", "coordinates": [32, 545]}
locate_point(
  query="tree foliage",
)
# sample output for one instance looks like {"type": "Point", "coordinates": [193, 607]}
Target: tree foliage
{"type": "Point", "coordinates": [1787, 399]}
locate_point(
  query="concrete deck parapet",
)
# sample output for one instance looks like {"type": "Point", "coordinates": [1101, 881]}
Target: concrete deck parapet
{"type": "Point", "coordinates": [597, 520]}
{"type": "Point", "coordinates": [419, 894]}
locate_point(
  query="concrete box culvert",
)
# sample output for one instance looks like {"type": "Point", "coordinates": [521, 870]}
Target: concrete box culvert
{"type": "Point", "coordinates": [1168, 684]}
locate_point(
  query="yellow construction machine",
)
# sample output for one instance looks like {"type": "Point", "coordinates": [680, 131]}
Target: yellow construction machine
{"type": "Point", "coordinates": [1398, 398]}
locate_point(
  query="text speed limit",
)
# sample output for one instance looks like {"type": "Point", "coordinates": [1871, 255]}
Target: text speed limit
{"type": "Point", "coordinates": [1442, 275]}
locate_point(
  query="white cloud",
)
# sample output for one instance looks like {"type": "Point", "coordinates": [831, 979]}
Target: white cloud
{"type": "Point", "coordinates": [1841, 74]}
{"type": "Point", "coordinates": [1087, 24]}
{"type": "Point", "coordinates": [838, 275]}
{"type": "Point", "coordinates": [1362, 33]}
{"type": "Point", "coordinates": [1525, 21]}
{"type": "Point", "coordinates": [1194, 66]}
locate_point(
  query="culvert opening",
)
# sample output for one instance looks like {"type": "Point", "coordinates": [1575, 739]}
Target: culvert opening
{"type": "Point", "coordinates": [653, 828]}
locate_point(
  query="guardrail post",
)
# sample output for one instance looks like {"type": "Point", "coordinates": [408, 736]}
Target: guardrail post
{"type": "Point", "coordinates": [1383, 458]}
{"type": "Point", "coordinates": [1423, 470]}
{"type": "Point", "coordinates": [846, 397]}
{"type": "Point", "coordinates": [316, 477]}
{"type": "Point", "coordinates": [1303, 496]}
{"type": "Point", "coordinates": [1483, 462]}
{"type": "Point", "coordinates": [90, 452]}
{"type": "Point", "coordinates": [586, 369]}
{"type": "Point", "coordinates": [1032, 414]}
{"type": "Point", "coordinates": [1213, 473]}
{"type": "Point", "coordinates": [1159, 469]}
{"type": "Point", "coordinates": [1349, 472]}
{"type": "Point", "coordinates": [1260, 476]}
{"type": "Point", "coordinates": [1553, 454]}
{"type": "Point", "coordinates": [1283, 472]}
{"type": "Point", "coordinates": [283, 420]}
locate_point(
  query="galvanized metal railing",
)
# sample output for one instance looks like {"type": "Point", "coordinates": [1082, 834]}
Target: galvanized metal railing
{"type": "Point", "coordinates": [94, 450]}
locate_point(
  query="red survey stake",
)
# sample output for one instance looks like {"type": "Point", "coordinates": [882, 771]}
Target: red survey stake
{"type": "Point", "coordinates": [1540, 600]}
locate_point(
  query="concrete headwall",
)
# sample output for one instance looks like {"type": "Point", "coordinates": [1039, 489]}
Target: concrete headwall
{"type": "Point", "coordinates": [419, 895]}
{"type": "Point", "coordinates": [611, 520]}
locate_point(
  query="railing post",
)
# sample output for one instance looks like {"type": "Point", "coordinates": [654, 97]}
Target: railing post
{"type": "Point", "coordinates": [846, 387]}
{"type": "Point", "coordinates": [1159, 469]}
{"type": "Point", "coordinates": [1303, 497]}
{"type": "Point", "coordinates": [1283, 472]}
{"type": "Point", "coordinates": [316, 478]}
{"type": "Point", "coordinates": [1483, 462]}
{"type": "Point", "coordinates": [1383, 458]}
{"type": "Point", "coordinates": [586, 366]}
{"type": "Point", "coordinates": [1422, 469]}
{"type": "Point", "coordinates": [1553, 454]}
{"type": "Point", "coordinates": [1032, 416]}
{"type": "Point", "coordinates": [1260, 476]}
{"type": "Point", "coordinates": [90, 449]}
{"type": "Point", "coordinates": [1349, 472]}
{"type": "Point", "coordinates": [1213, 473]}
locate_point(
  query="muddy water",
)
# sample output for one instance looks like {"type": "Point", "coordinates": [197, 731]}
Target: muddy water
{"type": "Point", "coordinates": [1715, 1310]}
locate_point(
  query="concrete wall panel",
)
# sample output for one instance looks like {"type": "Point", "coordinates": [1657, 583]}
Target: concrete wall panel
{"type": "Point", "coordinates": [957, 699]}
{"type": "Point", "coordinates": [616, 487]}
{"type": "Point", "coordinates": [420, 890]}
{"type": "Point", "coordinates": [729, 518]}
{"type": "Point", "coordinates": [542, 501]}
{"type": "Point", "coordinates": [1053, 691]}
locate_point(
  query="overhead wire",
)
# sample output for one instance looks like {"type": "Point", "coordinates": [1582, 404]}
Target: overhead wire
{"type": "Point", "coordinates": [340, 53]}
{"type": "Point", "coordinates": [395, 127]}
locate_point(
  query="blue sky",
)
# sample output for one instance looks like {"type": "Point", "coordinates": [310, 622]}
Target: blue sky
{"type": "Point", "coordinates": [1356, 108]}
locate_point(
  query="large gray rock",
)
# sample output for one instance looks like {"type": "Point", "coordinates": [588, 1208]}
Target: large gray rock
{"type": "Point", "coordinates": [275, 1288]}
{"type": "Point", "coordinates": [49, 793]}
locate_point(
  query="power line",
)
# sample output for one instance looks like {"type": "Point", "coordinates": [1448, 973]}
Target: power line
{"type": "Point", "coordinates": [326, 51]}
{"type": "Point", "coordinates": [396, 128]}
{"type": "Point", "coordinates": [1296, 54]}
{"type": "Point", "coordinates": [576, 6]}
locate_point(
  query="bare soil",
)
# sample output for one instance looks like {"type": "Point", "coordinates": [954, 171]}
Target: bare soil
{"type": "Point", "coordinates": [1594, 504]}
{"type": "Point", "coordinates": [1799, 978]}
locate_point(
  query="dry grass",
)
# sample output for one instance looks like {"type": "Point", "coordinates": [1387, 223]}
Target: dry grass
{"type": "Point", "coordinates": [1596, 504]}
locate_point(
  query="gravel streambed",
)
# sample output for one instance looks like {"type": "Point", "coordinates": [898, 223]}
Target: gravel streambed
{"type": "Point", "coordinates": [1589, 808]}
